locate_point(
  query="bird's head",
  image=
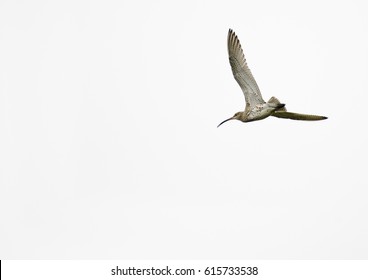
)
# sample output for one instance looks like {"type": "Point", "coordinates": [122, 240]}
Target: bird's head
{"type": "Point", "coordinates": [237, 116]}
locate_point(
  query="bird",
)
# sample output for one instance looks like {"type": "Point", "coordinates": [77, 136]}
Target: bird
{"type": "Point", "coordinates": [255, 107]}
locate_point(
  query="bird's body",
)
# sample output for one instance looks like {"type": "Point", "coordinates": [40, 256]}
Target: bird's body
{"type": "Point", "coordinates": [256, 108]}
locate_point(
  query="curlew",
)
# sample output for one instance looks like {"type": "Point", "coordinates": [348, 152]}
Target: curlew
{"type": "Point", "coordinates": [255, 107]}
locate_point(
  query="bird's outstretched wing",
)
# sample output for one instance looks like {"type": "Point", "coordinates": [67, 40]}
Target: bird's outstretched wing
{"type": "Point", "coordinates": [297, 116]}
{"type": "Point", "coordinates": [241, 71]}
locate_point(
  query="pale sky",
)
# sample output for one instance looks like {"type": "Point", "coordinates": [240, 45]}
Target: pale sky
{"type": "Point", "coordinates": [108, 140]}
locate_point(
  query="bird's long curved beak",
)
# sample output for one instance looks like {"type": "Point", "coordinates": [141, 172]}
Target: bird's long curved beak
{"type": "Point", "coordinates": [229, 119]}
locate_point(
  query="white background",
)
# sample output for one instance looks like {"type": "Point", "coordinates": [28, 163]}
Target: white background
{"type": "Point", "coordinates": [108, 138]}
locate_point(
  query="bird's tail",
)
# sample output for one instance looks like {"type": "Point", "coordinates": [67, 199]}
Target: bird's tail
{"type": "Point", "coordinates": [281, 112]}
{"type": "Point", "coordinates": [274, 102]}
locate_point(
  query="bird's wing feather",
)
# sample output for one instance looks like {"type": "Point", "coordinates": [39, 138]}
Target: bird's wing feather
{"type": "Point", "coordinates": [297, 116]}
{"type": "Point", "coordinates": [241, 71]}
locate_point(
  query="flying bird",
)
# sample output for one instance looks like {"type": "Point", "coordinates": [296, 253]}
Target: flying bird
{"type": "Point", "coordinates": [255, 107]}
